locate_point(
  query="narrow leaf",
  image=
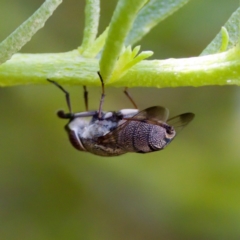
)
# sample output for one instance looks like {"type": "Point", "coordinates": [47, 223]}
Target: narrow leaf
{"type": "Point", "coordinates": [14, 42]}
{"type": "Point", "coordinates": [121, 23]}
{"type": "Point", "coordinates": [92, 13]}
{"type": "Point", "coordinates": [225, 39]}
{"type": "Point", "coordinates": [150, 15]}
{"type": "Point", "coordinates": [97, 45]}
{"type": "Point", "coordinates": [232, 26]}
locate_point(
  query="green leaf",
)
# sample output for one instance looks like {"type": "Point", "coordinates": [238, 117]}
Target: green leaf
{"type": "Point", "coordinates": [232, 26]}
{"type": "Point", "coordinates": [92, 14]}
{"type": "Point", "coordinates": [150, 15]}
{"type": "Point", "coordinates": [126, 60]}
{"type": "Point", "coordinates": [96, 46]}
{"type": "Point", "coordinates": [225, 39]}
{"type": "Point", "coordinates": [121, 23]}
{"type": "Point", "coordinates": [14, 42]}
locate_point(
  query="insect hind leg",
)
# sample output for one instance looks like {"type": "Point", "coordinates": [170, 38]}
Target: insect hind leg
{"type": "Point", "coordinates": [129, 97]}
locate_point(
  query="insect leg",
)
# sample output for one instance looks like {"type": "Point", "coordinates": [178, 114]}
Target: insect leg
{"type": "Point", "coordinates": [85, 97]}
{"type": "Point", "coordinates": [129, 97]}
{"type": "Point", "coordinates": [102, 97]}
{"type": "Point", "coordinates": [67, 96]}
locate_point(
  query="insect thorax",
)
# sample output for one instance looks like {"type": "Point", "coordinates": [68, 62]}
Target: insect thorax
{"type": "Point", "coordinates": [84, 132]}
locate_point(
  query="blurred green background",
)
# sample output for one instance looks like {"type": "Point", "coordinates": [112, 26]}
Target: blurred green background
{"type": "Point", "coordinates": [191, 190]}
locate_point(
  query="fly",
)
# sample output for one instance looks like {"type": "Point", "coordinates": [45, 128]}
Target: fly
{"type": "Point", "coordinates": [118, 132]}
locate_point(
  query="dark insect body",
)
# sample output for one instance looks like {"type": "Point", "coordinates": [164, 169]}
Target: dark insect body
{"type": "Point", "coordinates": [128, 130]}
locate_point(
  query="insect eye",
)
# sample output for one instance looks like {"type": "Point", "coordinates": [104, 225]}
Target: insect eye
{"type": "Point", "coordinates": [169, 129]}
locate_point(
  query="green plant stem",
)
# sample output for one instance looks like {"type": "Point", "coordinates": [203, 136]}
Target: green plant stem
{"type": "Point", "coordinates": [70, 68]}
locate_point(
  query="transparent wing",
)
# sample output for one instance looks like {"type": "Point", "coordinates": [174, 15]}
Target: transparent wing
{"type": "Point", "coordinates": [153, 115]}
{"type": "Point", "coordinates": [180, 121]}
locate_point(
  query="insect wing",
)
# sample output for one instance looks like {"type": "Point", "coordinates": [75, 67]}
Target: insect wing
{"type": "Point", "coordinates": [153, 115]}
{"type": "Point", "coordinates": [180, 121]}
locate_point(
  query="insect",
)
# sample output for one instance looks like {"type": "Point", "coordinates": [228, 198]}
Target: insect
{"type": "Point", "coordinates": [116, 133]}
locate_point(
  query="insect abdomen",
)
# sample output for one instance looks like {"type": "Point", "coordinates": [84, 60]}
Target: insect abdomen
{"type": "Point", "coordinates": [143, 137]}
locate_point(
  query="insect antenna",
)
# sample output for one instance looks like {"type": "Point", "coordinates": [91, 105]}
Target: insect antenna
{"type": "Point", "coordinates": [102, 97]}
{"type": "Point", "coordinates": [129, 97]}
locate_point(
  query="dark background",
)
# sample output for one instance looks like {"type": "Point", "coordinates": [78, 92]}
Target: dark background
{"type": "Point", "coordinates": [191, 190]}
